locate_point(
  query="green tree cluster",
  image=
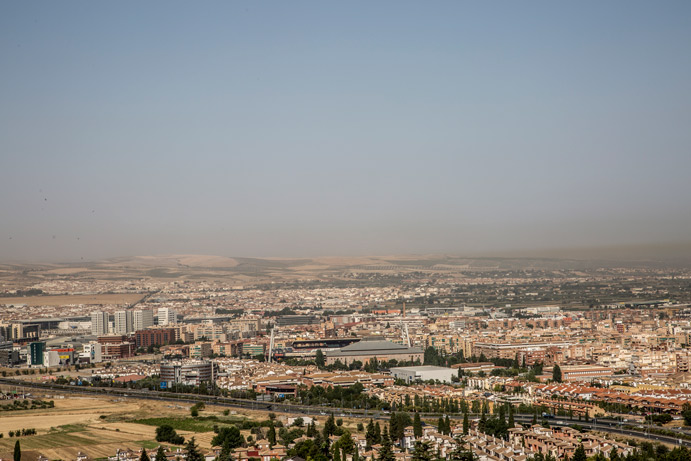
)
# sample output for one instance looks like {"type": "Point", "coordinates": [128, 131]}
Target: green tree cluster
{"type": "Point", "coordinates": [166, 433]}
{"type": "Point", "coordinates": [230, 434]}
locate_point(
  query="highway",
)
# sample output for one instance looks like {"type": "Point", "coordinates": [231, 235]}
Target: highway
{"type": "Point", "coordinates": [603, 425]}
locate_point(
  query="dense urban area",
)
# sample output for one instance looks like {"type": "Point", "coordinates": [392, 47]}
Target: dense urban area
{"type": "Point", "coordinates": [489, 360]}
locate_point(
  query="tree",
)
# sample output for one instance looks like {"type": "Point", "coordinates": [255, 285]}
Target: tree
{"type": "Point", "coordinates": [447, 425]}
{"type": "Point", "coordinates": [232, 434]}
{"type": "Point", "coordinates": [475, 407]}
{"type": "Point", "coordinates": [512, 422]}
{"type": "Point", "coordinates": [460, 453]}
{"type": "Point", "coordinates": [369, 435]}
{"type": "Point", "coordinates": [329, 427]}
{"type": "Point", "coordinates": [226, 452]}
{"type": "Point", "coordinates": [160, 454]}
{"type": "Point", "coordinates": [397, 425]}
{"type": "Point", "coordinates": [614, 455]}
{"type": "Point", "coordinates": [466, 423]}
{"type": "Point", "coordinates": [319, 359]}
{"type": "Point", "coordinates": [17, 452]}
{"type": "Point", "coordinates": [431, 356]}
{"type": "Point", "coordinates": [483, 421]}
{"type": "Point", "coordinates": [192, 451]}
{"type": "Point", "coordinates": [686, 413]}
{"type": "Point", "coordinates": [346, 443]}
{"type": "Point", "coordinates": [308, 449]}
{"type": "Point", "coordinates": [422, 451]}
{"type": "Point", "coordinates": [144, 456]}
{"type": "Point", "coordinates": [556, 374]}
{"type": "Point", "coordinates": [272, 434]}
{"type": "Point", "coordinates": [417, 426]}
{"type": "Point", "coordinates": [579, 454]}
{"type": "Point", "coordinates": [386, 452]}
{"type": "Point", "coordinates": [166, 433]}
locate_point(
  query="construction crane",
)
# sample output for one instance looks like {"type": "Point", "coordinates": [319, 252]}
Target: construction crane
{"type": "Point", "coordinates": [271, 345]}
{"type": "Point", "coordinates": [404, 333]}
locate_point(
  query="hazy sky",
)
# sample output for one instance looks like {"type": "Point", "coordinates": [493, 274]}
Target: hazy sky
{"type": "Point", "coordinates": [292, 128]}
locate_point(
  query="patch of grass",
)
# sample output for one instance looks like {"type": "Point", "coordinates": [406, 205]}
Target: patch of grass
{"type": "Point", "coordinates": [179, 424]}
{"type": "Point", "coordinates": [200, 424]}
{"type": "Point", "coordinates": [148, 444]}
{"type": "Point", "coordinates": [71, 428]}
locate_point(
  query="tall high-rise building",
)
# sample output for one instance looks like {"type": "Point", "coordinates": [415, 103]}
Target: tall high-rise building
{"type": "Point", "coordinates": [123, 323]}
{"type": "Point", "coordinates": [99, 323]}
{"type": "Point", "coordinates": [166, 316]}
{"type": "Point", "coordinates": [35, 355]}
{"type": "Point", "coordinates": [143, 319]}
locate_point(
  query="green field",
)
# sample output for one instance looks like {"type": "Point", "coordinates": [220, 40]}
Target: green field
{"type": "Point", "coordinates": [189, 424]}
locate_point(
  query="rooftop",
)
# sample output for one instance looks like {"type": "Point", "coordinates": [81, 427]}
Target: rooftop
{"type": "Point", "coordinates": [422, 368]}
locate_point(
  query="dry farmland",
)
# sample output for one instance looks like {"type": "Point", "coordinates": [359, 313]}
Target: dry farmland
{"type": "Point", "coordinates": [96, 426]}
{"type": "Point", "coordinates": [99, 426]}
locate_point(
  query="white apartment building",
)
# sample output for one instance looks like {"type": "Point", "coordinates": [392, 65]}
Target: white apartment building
{"type": "Point", "coordinates": [99, 323]}
{"type": "Point", "coordinates": [143, 319]}
{"type": "Point", "coordinates": [123, 323]}
{"type": "Point", "coordinates": [167, 316]}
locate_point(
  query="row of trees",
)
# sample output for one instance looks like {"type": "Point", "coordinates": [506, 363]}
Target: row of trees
{"type": "Point", "coordinates": [21, 433]}
{"type": "Point", "coordinates": [497, 425]}
{"type": "Point", "coordinates": [350, 397]}
{"type": "Point", "coordinates": [512, 366]}
{"type": "Point", "coordinates": [27, 405]}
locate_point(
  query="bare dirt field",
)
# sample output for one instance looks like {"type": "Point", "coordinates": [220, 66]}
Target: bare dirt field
{"type": "Point", "coordinates": [63, 300]}
{"type": "Point", "coordinates": [73, 410]}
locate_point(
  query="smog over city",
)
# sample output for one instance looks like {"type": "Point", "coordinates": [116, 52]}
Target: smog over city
{"type": "Point", "coordinates": [313, 231]}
